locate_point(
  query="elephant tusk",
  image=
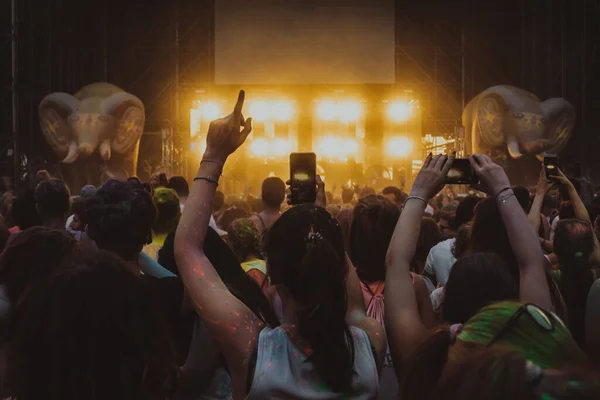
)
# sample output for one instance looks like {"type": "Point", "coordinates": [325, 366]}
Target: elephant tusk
{"type": "Point", "coordinates": [72, 155]}
{"type": "Point", "coordinates": [513, 148]}
{"type": "Point", "coordinates": [105, 149]}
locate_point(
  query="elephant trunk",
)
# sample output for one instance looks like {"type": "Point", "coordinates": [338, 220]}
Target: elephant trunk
{"type": "Point", "coordinates": [536, 147]}
{"type": "Point", "coordinates": [88, 143]}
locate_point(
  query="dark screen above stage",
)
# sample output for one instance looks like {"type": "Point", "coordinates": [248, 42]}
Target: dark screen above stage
{"type": "Point", "coordinates": [304, 42]}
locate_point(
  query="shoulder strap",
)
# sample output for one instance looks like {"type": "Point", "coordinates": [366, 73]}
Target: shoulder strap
{"type": "Point", "coordinates": [262, 221]}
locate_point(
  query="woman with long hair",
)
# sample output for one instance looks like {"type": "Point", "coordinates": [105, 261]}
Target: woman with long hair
{"type": "Point", "coordinates": [323, 348]}
{"type": "Point", "coordinates": [373, 224]}
{"type": "Point", "coordinates": [403, 325]}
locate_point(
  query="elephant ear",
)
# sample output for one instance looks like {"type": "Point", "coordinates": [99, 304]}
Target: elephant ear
{"type": "Point", "coordinates": [560, 116]}
{"type": "Point", "coordinates": [128, 110]}
{"type": "Point", "coordinates": [54, 112]}
{"type": "Point", "coordinates": [490, 112]}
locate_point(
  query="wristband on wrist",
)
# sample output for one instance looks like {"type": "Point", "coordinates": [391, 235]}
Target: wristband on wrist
{"type": "Point", "coordinates": [211, 162]}
{"type": "Point", "coordinates": [502, 199]}
{"type": "Point", "coordinates": [207, 179]}
{"type": "Point", "coordinates": [415, 198]}
{"type": "Point", "coordinates": [502, 191]}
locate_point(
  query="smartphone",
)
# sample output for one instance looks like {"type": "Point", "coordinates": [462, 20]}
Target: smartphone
{"type": "Point", "coordinates": [551, 165]}
{"type": "Point", "coordinates": [303, 178]}
{"type": "Point", "coordinates": [461, 173]}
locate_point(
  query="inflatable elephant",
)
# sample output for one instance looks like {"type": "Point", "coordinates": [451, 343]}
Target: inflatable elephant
{"type": "Point", "coordinates": [506, 117]}
{"type": "Point", "coordinates": [96, 132]}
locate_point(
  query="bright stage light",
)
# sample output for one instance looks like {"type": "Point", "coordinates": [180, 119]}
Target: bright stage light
{"type": "Point", "coordinates": [259, 110]}
{"type": "Point", "coordinates": [280, 147]}
{"type": "Point", "coordinates": [259, 147]}
{"type": "Point", "coordinates": [399, 147]}
{"type": "Point", "coordinates": [346, 111]}
{"type": "Point", "coordinates": [338, 149]}
{"type": "Point", "coordinates": [282, 111]}
{"type": "Point", "coordinates": [210, 111]}
{"type": "Point", "coordinates": [350, 111]}
{"type": "Point", "coordinates": [400, 111]}
{"type": "Point", "coordinates": [327, 111]}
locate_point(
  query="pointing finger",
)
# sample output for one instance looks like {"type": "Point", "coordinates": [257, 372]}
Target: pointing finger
{"type": "Point", "coordinates": [240, 104]}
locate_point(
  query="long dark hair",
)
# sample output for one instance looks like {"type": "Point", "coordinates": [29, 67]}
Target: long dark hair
{"type": "Point", "coordinates": [93, 332]}
{"type": "Point", "coordinates": [228, 267]}
{"type": "Point", "coordinates": [305, 254]}
{"type": "Point", "coordinates": [475, 281]}
{"type": "Point", "coordinates": [573, 244]}
{"type": "Point", "coordinates": [372, 228]}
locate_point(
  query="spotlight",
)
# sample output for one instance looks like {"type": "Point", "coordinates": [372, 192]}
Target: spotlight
{"type": "Point", "coordinates": [350, 111]}
{"type": "Point", "coordinates": [280, 147]}
{"type": "Point", "coordinates": [282, 111]}
{"type": "Point", "coordinates": [399, 111]}
{"type": "Point", "coordinates": [334, 148]}
{"type": "Point", "coordinates": [327, 110]}
{"type": "Point", "coordinates": [259, 147]}
{"type": "Point", "coordinates": [210, 111]}
{"type": "Point", "coordinates": [259, 110]}
{"type": "Point", "coordinates": [399, 147]}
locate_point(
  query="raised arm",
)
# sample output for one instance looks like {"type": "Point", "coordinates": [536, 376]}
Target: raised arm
{"type": "Point", "coordinates": [581, 213]}
{"type": "Point", "coordinates": [402, 321]}
{"type": "Point", "coordinates": [228, 319]}
{"type": "Point", "coordinates": [536, 208]}
{"type": "Point", "coordinates": [523, 239]}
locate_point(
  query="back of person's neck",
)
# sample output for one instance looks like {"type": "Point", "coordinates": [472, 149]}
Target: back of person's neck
{"type": "Point", "coordinates": [270, 210]}
{"type": "Point", "coordinates": [55, 223]}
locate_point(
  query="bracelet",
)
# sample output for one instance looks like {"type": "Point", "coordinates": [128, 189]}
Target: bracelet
{"type": "Point", "coordinates": [207, 179]}
{"type": "Point", "coordinates": [416, 198]}
{"type": "Point", "coordinates": [502, 191]}
{"type": "Point", "coordinates": [502, 200]}
{"type": "Point", "coordinates": [212, 162]}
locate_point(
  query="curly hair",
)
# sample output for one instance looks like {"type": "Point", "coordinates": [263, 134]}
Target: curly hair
{"type": "Point", "coordinates": [244, 239]}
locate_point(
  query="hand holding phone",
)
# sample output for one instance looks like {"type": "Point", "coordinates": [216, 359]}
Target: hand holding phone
{"type": "Point", "coordinates": [551, 165]}
{"type": "Point", "coordinates": [303, 178]}
{"type": "Point", "coordinates": [461, 173]}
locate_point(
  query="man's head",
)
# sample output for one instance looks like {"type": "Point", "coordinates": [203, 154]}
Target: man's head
{"type": "Point", "coordinates": [179, 185]}
{"type": "Point", "coordinates": [53, 200]}
{"type": "Point", "coordinates": [347, 196]}
{"type": "Point", "coordinates": [87, 191]}
{"type": "Point", "coordinates": [395, 195]}
{"type": "Point", "coordinates": [447, 220]}
{"type": "Point", "coordinates": [273, 193]}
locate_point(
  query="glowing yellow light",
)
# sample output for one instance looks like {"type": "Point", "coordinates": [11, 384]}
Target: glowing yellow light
{"type": "Point", "coordinates": [399, 147]}
{"type": "Point", "coordinates": [400, 111]}
{"type": "Point", "coordinates": [301, 176]}
{"type": "Point", "coordinates": [280, 147]}
{"type": "Point", "coordinates": [211, 111]}
{"type": "Point", "coordinates": [259, 110]}
{"type": "Point", "coordinates": [282, 111]}
{"type": "Point", "coordinates": [327, 111]}
{"type": "Point", "coordinates": [259, 147]}
{"type": "Point", "coordinates": [195, 118]}
{"type": "Point", "coordinates": [350, 111]}
{"type": "Point", "coordinates": [339, 149]}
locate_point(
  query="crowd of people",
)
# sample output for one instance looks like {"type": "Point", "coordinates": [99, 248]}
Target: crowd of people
{"type": "Point", "coordinates": [176, 291]}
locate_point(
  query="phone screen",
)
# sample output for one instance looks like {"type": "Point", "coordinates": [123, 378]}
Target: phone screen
{"type": "Point", "coordinates": [461, 173]}
{"type": "Point", "coordinates": [303, 173]}
{"type": "Point", "coordinates": [551, 165]}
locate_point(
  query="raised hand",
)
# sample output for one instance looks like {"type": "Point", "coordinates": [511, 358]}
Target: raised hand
{"type": "Point", "coordinates": [543, 185]}
{"type": "Point", "coordinates": [492, 175]}
{"type": "Point", "coordinates": [224, 135]}
{"type": "Point", "coordinates": [561, 179]}
{"type": "Point", "coordinates": [432, 175]}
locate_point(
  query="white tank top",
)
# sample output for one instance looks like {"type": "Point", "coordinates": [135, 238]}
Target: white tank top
{"type": "Point", "coordinates": [282, 371]}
